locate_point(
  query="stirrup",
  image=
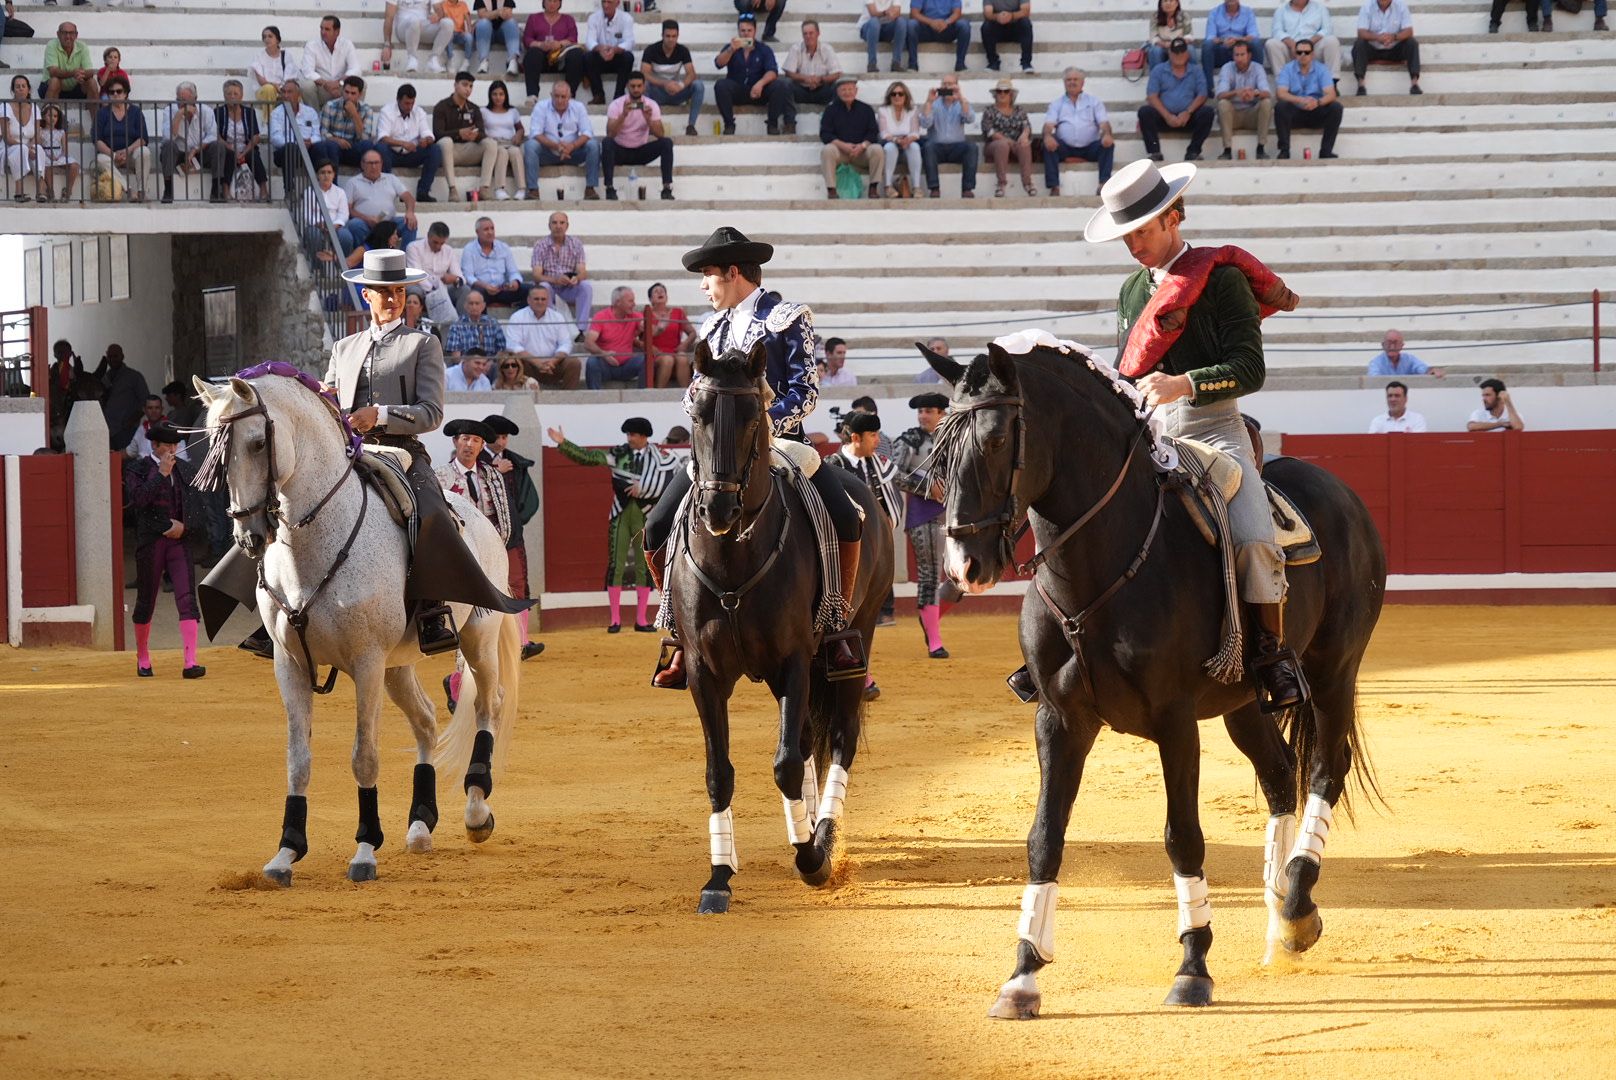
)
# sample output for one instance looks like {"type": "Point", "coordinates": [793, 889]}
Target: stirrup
{"type": "Point", "coordinates": [1259, 667]}
{"type": "Point", "coordinates": [1021, 685]}
{"type": "Point", "coordinates": [855, 645]}
{"type": "Point", "coordinates": [665, 660]}
{"type": "Point", "coordinates": [435, 630]}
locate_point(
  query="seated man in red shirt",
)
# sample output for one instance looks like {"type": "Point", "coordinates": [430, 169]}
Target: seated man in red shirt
{"type": "Point", "coordinates": [613, 341]}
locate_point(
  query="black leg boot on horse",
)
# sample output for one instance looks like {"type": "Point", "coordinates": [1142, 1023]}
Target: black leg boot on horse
{"type": "Point", "coordinates": [1272, 665]}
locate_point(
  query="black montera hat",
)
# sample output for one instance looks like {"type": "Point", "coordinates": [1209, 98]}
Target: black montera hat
{"type": "Point", "coordinates": [929, 401]}
{"type": "Point", "coordinates": [163, 433]}
{"type": "Point", "coordinates": [500, 424]}
{"type": "Point", "coordinates": [861, 423]}
{"type": "Point", "coordinates": [456, 428]}
{"type": "Point", "coordinates": [637, 425]}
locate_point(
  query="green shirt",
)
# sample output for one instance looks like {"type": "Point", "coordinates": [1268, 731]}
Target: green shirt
{"type": "Point", "coordinates": [1221, 347]}
{"type": "Point", "coordinates": [78, 61]}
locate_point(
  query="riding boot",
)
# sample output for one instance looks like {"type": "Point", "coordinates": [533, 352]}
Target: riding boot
{"type": "Point", "coordinates": [259, 643]}
{"type": "Point", "coordinates": [1273, 667]}
{"type": "Point", "coordinates": [1021, 685]}
{"type": "Point", "coordinates": [434, 629]}
{"type": "Point", "coordinates": [844, 651]}
{"type": "Point", "coordinates": [670, 668]}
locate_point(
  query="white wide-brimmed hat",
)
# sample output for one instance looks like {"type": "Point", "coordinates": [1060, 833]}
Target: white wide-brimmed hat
{"type": "Point", "coordinates": [384, 266]}
{"type": "Point", "coordinates": [1135, 195]}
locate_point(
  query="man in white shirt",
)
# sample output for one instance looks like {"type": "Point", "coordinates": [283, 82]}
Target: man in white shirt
{"type": "Point", "coordinates": [1245, 100]}
{"type": "Point", "coordinates": [539, 335]}
{"type": "Point", "coordinates": [404, 137]}
{"type": "Point", "coordinates": [470, 374]}
{"type": "Point", "coordinates": [811, 69]}
{"type": "Point", "coordinates": [185, 132]}
{"type": "Point", "coordinates": [1397, 417]}
{"type": "Point", "coordinates": [444, 287]}
{"type": "Point", "coordinates": [294, 120]}
{"type": "Point", "coordinates": [1296, 22]}
{"type": "Point", "coordinates": [1076, 126]}
{"type": "Point", "coordinates": [836, 373]}
{"type": "Point", "coordinates": [1497, 412]}
{"type": "Point", "coordinates": [404, 21]}
{"type": "Point", "coordinates": [327, 60]}
{"type": "Point", "coordinates": [1386, 33]}
{"type": "Point", "coordinates": [610, 41]}
{"type": "Point", "coordinates": [373, 195]}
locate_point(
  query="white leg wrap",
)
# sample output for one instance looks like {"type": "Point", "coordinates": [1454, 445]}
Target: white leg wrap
{"type": "Point", "coordinates": [1314, 832]}
{"type": "Point", "coordinates": [1037, 926]}
{"type": "Point", "coordinates": [797, 828]}
{"type": "Point", "coordinates": [1194, 906]}
{"type": "Point", "coordinates": [832, 802]}
{"type": "Point", "coordinates": [721, 839]}
{"type": "Point", "coordinates": [1276, 853]}
{"type": "Point", "coordinates": [810, 789]}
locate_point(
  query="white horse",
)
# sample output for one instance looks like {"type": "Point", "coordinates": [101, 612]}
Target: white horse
{"type": "Point", "coordinates": [330, 553]}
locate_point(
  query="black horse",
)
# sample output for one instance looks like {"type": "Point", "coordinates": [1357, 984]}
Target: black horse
{"type": "Point", "coordinates": [1125, 609]}
{"type": "Point", "coordinates": [743, 572]}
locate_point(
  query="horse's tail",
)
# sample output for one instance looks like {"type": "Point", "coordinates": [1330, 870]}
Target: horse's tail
{"type": "Point", "coordinates": [824, 713]}
{"type": "Point", "coordinates": [1306, 744]}
{"type": "Point", "coordinates": [452, 753]}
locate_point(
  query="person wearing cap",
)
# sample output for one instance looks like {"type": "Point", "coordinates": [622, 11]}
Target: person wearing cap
{"type": "Point", "coordinates": [641, 475]}
{"type": "Point", "coordinates": [750, 77]}
{"type": "Point", "coordinates": [522, 496]}
{"type": "Point", "coordinates": [731, 269]}
{"type": "Point", "coordinates": [861, 434]}
{"type": "Point", "coordinates": [388, 381]}
{"type": "Point", "coordinates": [923, 518]}
{"type": "Point", "coordinates": [851, 135]}
{"type": "Point", "coordinates": [1189, 333]}
{"type": "Point", "coordinates": [166, 510]}
{"type": "Point", "coordinates": [1308, 99]}
{"type": "Point", "coordinates": [1175, 98]}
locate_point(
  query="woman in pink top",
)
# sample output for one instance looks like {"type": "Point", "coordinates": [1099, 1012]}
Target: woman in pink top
{"type": "Point", "coordinates": [671, 336]}
{"type": "Point", "coordinates": [550, 43]}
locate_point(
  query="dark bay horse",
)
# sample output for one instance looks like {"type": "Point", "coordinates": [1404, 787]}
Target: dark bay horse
{"type": "Point", "coordinates": [743, 573]}
{"type": "Point", "coordinates": [1053, 436]}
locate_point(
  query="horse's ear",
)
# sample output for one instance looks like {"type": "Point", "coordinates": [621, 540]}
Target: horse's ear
{"type": "Point", "coordinates": [241, 388]}
{"type": "Point", "coordinates": [204, 390]}
{"type": "Point", "coordinates": [1002, 365]}
{"type": "Point", "coordinates": [757, 361]}
{"type": "Point", "coordinates": [703, 357]}
{"type": "Point", "coordinates": [950, 370]}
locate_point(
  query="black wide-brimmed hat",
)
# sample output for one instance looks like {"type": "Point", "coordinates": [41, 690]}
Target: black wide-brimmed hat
{"type": "Point", "coordinates": [929, 401]}
{"type": "Point", "coordinates": [500, 424]}
{"type": "Point", "coordinates": [637, 425]}
{"type": "Point", "coordinates": [456, 428]}
{"type": "Point", "coordinates": [727, 247]}
{"type": "Point", "coordinates": [163, 433]}
{"type": "Point", "coordinates": [861, 423]}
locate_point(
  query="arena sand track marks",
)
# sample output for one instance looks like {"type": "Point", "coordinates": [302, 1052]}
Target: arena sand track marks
{"type": "Point", "coordinates": [1470, 930]}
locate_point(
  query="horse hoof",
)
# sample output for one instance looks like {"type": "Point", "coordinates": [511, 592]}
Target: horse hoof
{"type": "Point", "coordinates": [361, 871]}
{"type": "Point", "coordinates": [1016, 1003]}
{"type": "Point", "coordinates": [479, 833]}
{"type": "Point", "coordinates": [419, 839]}
{"type": "Point", "coordinates": [1194, 990]}
{"type": "Point", "coordinates": [281, 877]}
{"type": "Point", "coordinates": [713, 902]}
{"type": "Point", "coordinates": [818, 876]}
{"type": "Point", "coordinates": [1302, 934]}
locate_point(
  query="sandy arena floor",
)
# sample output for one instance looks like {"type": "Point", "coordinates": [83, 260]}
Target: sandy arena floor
{"type": "Point", "coordinates": [1470, 930]}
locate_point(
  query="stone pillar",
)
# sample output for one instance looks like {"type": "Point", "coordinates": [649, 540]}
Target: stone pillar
{"type": "Point", "coordinates": [86, 439]}
{"type": "Point", "coordinates": [519, 410]}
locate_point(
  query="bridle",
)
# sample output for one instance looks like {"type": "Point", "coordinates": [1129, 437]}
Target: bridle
{"type": "Point", "coordinates": [723, 439]}
{"type": "Point", "coordinates": [1012, 516]}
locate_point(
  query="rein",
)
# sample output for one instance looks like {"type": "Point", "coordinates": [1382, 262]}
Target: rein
{"type": "Point", "coordinates": [724, 449]}
{"type": "Point", "coordinates": [730, 599]}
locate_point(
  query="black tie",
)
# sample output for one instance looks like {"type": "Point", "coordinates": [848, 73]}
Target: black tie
{"type": "Point", "coordinates": [723, 330]}
{"type": "Point", "coordinates": [471, 488]}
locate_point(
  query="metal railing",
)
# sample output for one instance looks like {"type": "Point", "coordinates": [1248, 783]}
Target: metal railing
{"type": "Point", "coordinates": [317, 235]}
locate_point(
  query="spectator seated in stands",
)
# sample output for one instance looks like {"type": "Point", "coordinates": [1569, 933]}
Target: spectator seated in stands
{"type": "Point", "coordinates": [328, 191]}
{"type": "Point", "coordinates": [503, 123]}
{"type": "Point", "coordinates": [899, 123]}
{"type": "Point", "coordinates": [670, 74]}
{"type": "Point", "coordinates": [540, 338]}
{"type": "Point", "coordinates": [121, 141]}
{"type": "Point", "coordinates": [1299, 21]}
{"type": "Point", "coordinates": [927, 375]}
{"type": "Point", "coordinates": [186, 132]}
{"type": "Point", "coordinates": [490, 267]}
{"type": "Point", "coordinates": [383, 234]}
{"type": "Point", "coordinates": [1307, 98]}
{"type": "Point", "coordinates": [851, 136]}
{"type": "Point", "coordinates": [1227, 24]}
{"type": "Point", "coordinates": [347, 125]}
{"type": "Point", "coordinates": [1007, 21]}
{"type": "Point", "coordinates": [1076, 125]}
{"type": "Point", "coordinates": [560, 134]}
{"type": "Point", "coordinates": [405, 22]}
{"type": "Point", "coordinates": [750, 74]}
{"type": "Point", "coordinates": [404, 137]}
{"type": "Point", "coordinates": [559, 264]}
{"type": "Point", "coordinates": [1497, 412]}
{"type": "Point", "coordinates": [809, 75]}
{"type": "Point", "coordinates": [52, 157]}
{"type": "Point", "coordinates": [550, 43]}
{"type": "Point", "coordinates": [68, 75]}
{"type": "Point", "coordinates": [1392, 360]}
{"type": "Point", "coordinates": [471, 374]}
{"type": "Point", "coordinates": [1496, 18]}
{"type": "Point", "coordinates": [609, 39]}
{"type": "Point", "coordinates": [1175, 100]}
{"type": "Point", "coordinates": [272, 68]}
{"type": "Point", "coordinates": [944, 116]}
{"type": "Point", "coordinates": [11, 26]}
{"type": "Point", "coordinates": [1169, 21]}
{"type": "Point", "coordinates": [613, 341]}
{"type": "Point", "coordinates": [328, 60]}
{"type": "Point", "coordinates": [444, 287]}
{"type": "Point", "coordinates": [877, 24]}
{"type": "Point", "coordinates": [941, 20]}
{"type": "Point", "coordinates": [457, 13]}
{"type": "Point", "coordinates": [512, 375]}
{"type": "Point", "coordinates": [373, 197]}
{"type": "Point", "coordinates": [497, 17]}
{"type": "Point", "coordinates": [19, 132]}
{"type": "Point", "coordinates": [415, 316]}
{"type": "Point", "coordinates": [293, 121]}
{"type": "Point", "coordinates": [239, 136]}
{"type": "Point", "coordinates": [1007, 132]}
{"type": "Point", "coordinates": [836, 372]}
{"type": "Point", "coordinates": [767, 10]}
{"type": "Point", "coordinates": [1601, 9]}
{"type": "Point", "coordinates": [475, 331]}
{"type": "Point", "coordinates": [1245, 100]}
{"type": "Point", "coordinates": [634, 136]}
{"type": "Point", "coordinates": [1398, 417]}
{"type": "Point", "coordinates": [1386, 35]}
{"type": "Point", "coordinates": [111, 64]}
{"type": "Point", "coordinates": [457, 124]}
{"type": "Point", "coordinates": [669, 337]}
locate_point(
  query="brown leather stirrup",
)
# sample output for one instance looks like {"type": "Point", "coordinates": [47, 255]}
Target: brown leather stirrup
{"type": "Point", "coordinates": [843, 651]}
{"type": "Point", "coordinates": [670, 666]}
{"type": "Point", "coordinates": [1274, 669]}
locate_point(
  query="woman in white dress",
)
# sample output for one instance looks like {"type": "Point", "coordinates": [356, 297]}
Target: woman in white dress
{"type": "Point", "coordinates": [52, 158]}
{"type": "Point", "coordinates": [271, 70]}
{"type": "Point", "coordinates": [900, 135]}
{"type": "Point", "coordinates": [503, 124]}
{"type": "Point", "coordinates": [19, 121]}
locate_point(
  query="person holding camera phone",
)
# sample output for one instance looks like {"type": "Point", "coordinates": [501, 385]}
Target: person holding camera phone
{"type": "Point", "coordinates": [634, 135]}
{"type": "Point", "coordinates": [943, 116]}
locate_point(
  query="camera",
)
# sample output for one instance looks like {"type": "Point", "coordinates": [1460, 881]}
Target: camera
{"type": "Point", "coordinates": [945, 91]}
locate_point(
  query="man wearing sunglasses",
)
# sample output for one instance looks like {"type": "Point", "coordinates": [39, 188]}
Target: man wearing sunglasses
{"type": "Point", "coordinates": [1307, 98]}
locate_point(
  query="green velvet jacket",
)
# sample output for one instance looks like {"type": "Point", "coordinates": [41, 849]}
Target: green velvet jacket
{"type": "Point", "coordinates": [1221, 347]}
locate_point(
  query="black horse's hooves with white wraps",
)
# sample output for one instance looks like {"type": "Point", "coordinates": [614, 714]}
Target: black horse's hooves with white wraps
{"type": "Point", "coordinates": [714, 902]}
{"type": "Point", "coordinates": [478, 834]}
{"type": "Point", "coordinates": [1194, 990]}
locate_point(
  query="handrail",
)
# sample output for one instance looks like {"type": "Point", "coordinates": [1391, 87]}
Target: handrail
{"type": "Point", "coordinates": [316, 232]}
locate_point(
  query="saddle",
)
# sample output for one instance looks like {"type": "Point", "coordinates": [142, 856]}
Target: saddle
{"type": "Point", "coordinates": [383, 467]}
{"type": "Point", "coordinates": [1196, 459]}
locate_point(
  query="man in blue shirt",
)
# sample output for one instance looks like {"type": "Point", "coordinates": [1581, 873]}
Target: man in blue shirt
{"type": "Point", "coordinates": [1244, 99]}
{"type": "Point", "coordinates": [1175, 98]}
{"type": "Point", "coordinates": [1394, 361]}
{"type": "Point", "coordinates": [944, 118]}
{"type": "Point", "coordinates": [1226, 24]}
{"type": "Point", "coordinates": [489, 266]}
{"type": "Point", "coordinates": [751, 71]}
{"type": "Point", "coordinates": [1307, 98]}
{"type": "Point", "coordinates": [1076, 126]}
{"type": "Point", "coordinates": [939, 20]}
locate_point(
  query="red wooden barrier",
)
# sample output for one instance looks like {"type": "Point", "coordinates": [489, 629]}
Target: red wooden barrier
{"type": "Point", "coordinates": [577, 500]}
{"type": "Point", "coordinates": [5, 570]}
{"type": "Point", "coordinates": [49, 569]}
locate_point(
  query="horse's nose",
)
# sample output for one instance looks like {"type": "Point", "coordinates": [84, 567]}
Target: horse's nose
{"type": "Point", "coordinates": [251, 544]}
{"type": "Point", "coordinates": [968, 569]}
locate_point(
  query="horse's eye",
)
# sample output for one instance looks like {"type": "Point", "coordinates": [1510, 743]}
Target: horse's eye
{"type": "Point", "coordinates": [257, 445]}
{"type": "Point", "coordinates": [996, 443]}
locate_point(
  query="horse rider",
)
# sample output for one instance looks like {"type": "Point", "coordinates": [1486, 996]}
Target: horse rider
{"type": "Point", "coordinates": [731, 269]}
{"type": "Point", "coordinates": [1189, 332]}
{"type": "Point", "coordinates": [911, 453]}
{"type": "Point", "coordinates": [388, 380]}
